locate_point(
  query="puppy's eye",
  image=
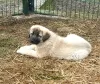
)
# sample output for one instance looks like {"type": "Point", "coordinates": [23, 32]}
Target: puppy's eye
{"type": "Point", "coordinates": [40, 34]}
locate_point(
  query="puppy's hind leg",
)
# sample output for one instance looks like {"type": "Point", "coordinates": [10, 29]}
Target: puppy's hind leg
{"type": "Point", "coordinates": [78, 55]}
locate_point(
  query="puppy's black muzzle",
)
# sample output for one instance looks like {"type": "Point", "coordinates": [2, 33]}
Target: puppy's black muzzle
{"type": "Point", "coordinates": [34, 39]}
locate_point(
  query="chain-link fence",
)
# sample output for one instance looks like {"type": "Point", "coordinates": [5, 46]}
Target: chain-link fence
{"type": "Point", "coordinates": [83, 9]}
{"type": "Point", "coordinates": [10, 7]}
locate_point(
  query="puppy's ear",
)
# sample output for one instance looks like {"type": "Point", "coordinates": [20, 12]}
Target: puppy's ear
{"type": "Point", "coordinates": [45, 37]}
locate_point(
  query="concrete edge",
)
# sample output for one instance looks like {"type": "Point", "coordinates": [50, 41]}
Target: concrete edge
{"type": "Point", "coordinates": [39, 16]}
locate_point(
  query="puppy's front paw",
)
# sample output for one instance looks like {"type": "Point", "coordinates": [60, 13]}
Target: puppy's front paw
{"type": "Point", "coordinates": [21, 51]}
{"type": "Point", "coordinates": [30, 47]}
{"type": "Point", "coordinates": [26, 50]}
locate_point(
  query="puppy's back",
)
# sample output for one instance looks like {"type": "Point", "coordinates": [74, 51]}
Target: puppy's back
{"type": "Point", "coordinates": [75, 48]}
{"type": "Point", "coordinates": [77, 40]}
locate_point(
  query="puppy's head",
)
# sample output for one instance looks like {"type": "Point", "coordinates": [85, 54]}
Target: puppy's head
{"type": "Point", "coordinates": [38, 34]}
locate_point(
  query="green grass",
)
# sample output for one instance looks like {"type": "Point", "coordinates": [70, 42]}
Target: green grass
{"type": "Point", "coordinates": [7, 45]}
{"type": "Point", "coordinates": [48, 5]}
{"type": "Point", "coordinates": [9, 42]}
{"type": "Point", "coordinates": [91, 0]}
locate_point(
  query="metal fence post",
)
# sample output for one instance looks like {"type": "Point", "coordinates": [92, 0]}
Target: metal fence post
{"type": "Point", "coordinates": [25, 7]}
{"type": "Point", "coordinates": [31, 5]}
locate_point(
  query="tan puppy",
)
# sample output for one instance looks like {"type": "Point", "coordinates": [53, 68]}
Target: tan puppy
{"type": "Point", "coordinates": [47, 43]}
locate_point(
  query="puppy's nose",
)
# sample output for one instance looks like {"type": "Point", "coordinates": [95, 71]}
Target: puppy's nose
{"type": "Point", "coordinates": [34, 40]}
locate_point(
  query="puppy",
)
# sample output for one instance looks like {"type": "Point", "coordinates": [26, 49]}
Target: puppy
{"type": "Point", "coordinates": [47, 43]}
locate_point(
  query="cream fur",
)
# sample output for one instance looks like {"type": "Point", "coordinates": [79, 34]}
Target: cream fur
{"type": "Point", "coordinates": [72, 47]}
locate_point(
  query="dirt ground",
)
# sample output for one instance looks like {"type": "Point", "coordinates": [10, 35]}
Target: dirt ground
{"type": "Point", "coordinates": [20, 69]}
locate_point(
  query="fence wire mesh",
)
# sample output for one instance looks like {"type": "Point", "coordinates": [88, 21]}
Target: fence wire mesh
{"type": "Point", "coordinates": [10, 7]}
{"type": "Point", "coordinates": [83, 9]}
